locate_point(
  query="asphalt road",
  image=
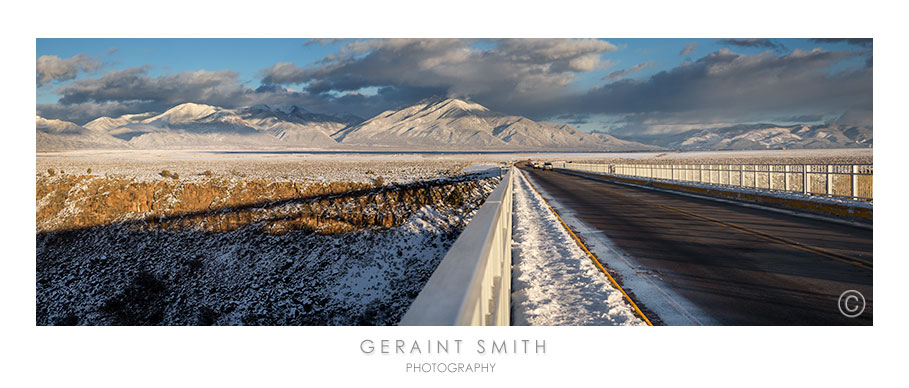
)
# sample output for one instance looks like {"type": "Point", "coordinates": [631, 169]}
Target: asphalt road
{"type": "Point", "coordinates": [740, 266]}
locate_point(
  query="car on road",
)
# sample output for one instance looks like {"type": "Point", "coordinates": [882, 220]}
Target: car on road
{"type": "Point", "coordinates": [536, 165]}
{"type": "Point", "coordinates": [547, 166]}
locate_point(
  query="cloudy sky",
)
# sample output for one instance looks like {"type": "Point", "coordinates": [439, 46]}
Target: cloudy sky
{"type": "Point", "coordinates": [622, 86]}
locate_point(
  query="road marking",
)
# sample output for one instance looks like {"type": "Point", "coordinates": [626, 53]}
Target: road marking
{"type": "Point", "coordinates": [820, 251]}
{"type": "Point", "coordinates": [592, 256]}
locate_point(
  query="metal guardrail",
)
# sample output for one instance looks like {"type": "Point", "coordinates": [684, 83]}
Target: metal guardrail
{"type": "Point", "coordinates": [472, 284]}
{"type": "Point", "coordinates": [854, 181]}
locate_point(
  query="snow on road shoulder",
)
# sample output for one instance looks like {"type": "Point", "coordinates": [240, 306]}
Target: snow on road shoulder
{"type": "Point", "coordinates": [554, 282]}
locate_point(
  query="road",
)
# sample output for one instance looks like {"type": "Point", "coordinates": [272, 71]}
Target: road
{"type": "Point", "coordinates": [737, 265]}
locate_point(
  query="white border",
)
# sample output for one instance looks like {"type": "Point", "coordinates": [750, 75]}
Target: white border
{"type": "Point", "coordinates": [40, 356]}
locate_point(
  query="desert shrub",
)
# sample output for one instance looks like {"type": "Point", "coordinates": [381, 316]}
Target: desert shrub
{"type": "Point", "coordinates": [175, 176]}
{"type": "Point", "coordinates": [455, 199]}
{"type": "Point", "coordinates": [207, 316]}
{"type": "Point", "coordinates": [89, 170]}
{"type": "Point", "coordinates": [142, 302]}
{"type": "Point", "coordinates": [207, 173]}
{"type": "Point", "coordinates": [165, 173]}
{"type": "Point", "coordinates": [380, 181]}
{"type": "Point", "coordinates": [51, 172]}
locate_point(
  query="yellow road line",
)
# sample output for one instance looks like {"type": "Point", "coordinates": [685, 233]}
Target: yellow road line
{"type": "Point", "coordinates": [592, 256]}
{"type": "Point", "coordinates": [820, 251]}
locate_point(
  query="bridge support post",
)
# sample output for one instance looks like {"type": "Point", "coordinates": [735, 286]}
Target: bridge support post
{"type": "Point", "coordinates": [805, 180]}
{"type": "Point", "coordinates": [854, 181]}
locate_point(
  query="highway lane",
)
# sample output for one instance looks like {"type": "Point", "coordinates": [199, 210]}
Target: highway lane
{"type": "Point", "coordinates": [740, 266]}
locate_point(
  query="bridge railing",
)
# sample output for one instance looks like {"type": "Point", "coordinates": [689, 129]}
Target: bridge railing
{"type": "Point", "coordinates": [853, 181]}
{"type": "Point", "coordinates": [472, 284]}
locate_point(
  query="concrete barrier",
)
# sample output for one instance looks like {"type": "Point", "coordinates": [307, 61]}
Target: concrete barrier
{"type": "Point", "coordinates": [472, 284]}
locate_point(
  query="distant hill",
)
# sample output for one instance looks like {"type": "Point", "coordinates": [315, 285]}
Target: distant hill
{"type": "Point", "coordinates": [762, 137]}
{"type": "Point", "coordinates": [432, 124]}
{"type": "Point", "coordinates": [193, 125]}
{"type": "Point", "coordinates": [437, 124]}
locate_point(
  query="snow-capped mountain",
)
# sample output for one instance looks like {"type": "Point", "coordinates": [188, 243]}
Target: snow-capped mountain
{"type": "Point", "coordinates": [764, 136]}
{"type": "Point", "coordinates": [58, 134]}
{"type": "Point", "coordinates": [432, 124]}
{"type": "Point", "coordinates": [295, 125]}
{"type": "Point", "coordinates": [197, 125]}
{"type": "Point", "coordinates": [450, 123]}
{"type": "Point", "coordinates": [56, 126]}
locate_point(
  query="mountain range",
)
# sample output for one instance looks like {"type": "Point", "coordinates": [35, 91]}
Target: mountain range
{"type": "Point", "coordinates": [764, 136]}
{"type": "Point", "coordinates": [434, 124]}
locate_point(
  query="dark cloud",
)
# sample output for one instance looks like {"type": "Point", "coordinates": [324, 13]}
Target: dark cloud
{"type": "Point", "coordinates": [132, 90]}
{"type": "Point", "coordinates": [863, 42]}
{"type": "Point", "coordinates": [85, 112]}
{"type": "Point", "coordinates": [619, 74]}
{"type": "Point", "coordinates": [857, 117]}
{"type": "Point", "coordinates": [50, 68]}
{"type": "Point", "coordinates": [803, 119]}
{"type": "Point", "coordinates": [725, 86]}
{"type": "Point", "coordinates": [507, 75]}
{"type": "Point", "coordinates": [755, 43]}
{"type": "Point", "coordinates": [134, 84]}
{"type": "Point", "coordinates": [690, 48]}
{"type": "Point", "coordinates": [574, 118]}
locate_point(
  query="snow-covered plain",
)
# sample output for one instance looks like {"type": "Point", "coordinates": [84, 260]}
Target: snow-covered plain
{"type": "Point", "coordinates": [273, 166]}
{"type": "Point", "coordinates": [554, 281]}
{"type": "Point", "coordinates": [123, 275]}
{"type": "Point", "coordinates": [133, 274]}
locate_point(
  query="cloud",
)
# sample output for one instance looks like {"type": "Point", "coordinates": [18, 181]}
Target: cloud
{"type": "Point", "coordinates": [857, 117]}
{"type": "Point", "coordinates": [725, 86]}
{"type": "Point", "coordinates": [321, 41]}
{"type": "Point", "coordinates": [84, 112]}
{"type": "Point", "coordinates": [132, 90]}
{"type": "Point", "coordinates": [619, 74]}
{"type": "Point", "coordinates": [574, 118]}
{"type": "Point", "coordinates": [863, 42]}
{"type": "Point", "coordinates": [133, 84]}
{"type": "Point", "coordinates": [754, 43]}
{"type": "Point", "coordinates": [811, 118]}
{"type": "Point", "coordinates": [507, 75]}
{"type": "Point", "coordinates": [690, 48]}
{"type": "Point", "coordinates": [525, 77]}
{"type": "Point", "coordinates": [51, 68]}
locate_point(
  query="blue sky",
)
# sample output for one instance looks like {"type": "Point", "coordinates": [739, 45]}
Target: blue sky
{"type": "Point", "coordinates": [245, 56]}
{"type": "Point", "coordinates": [594, 85]}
